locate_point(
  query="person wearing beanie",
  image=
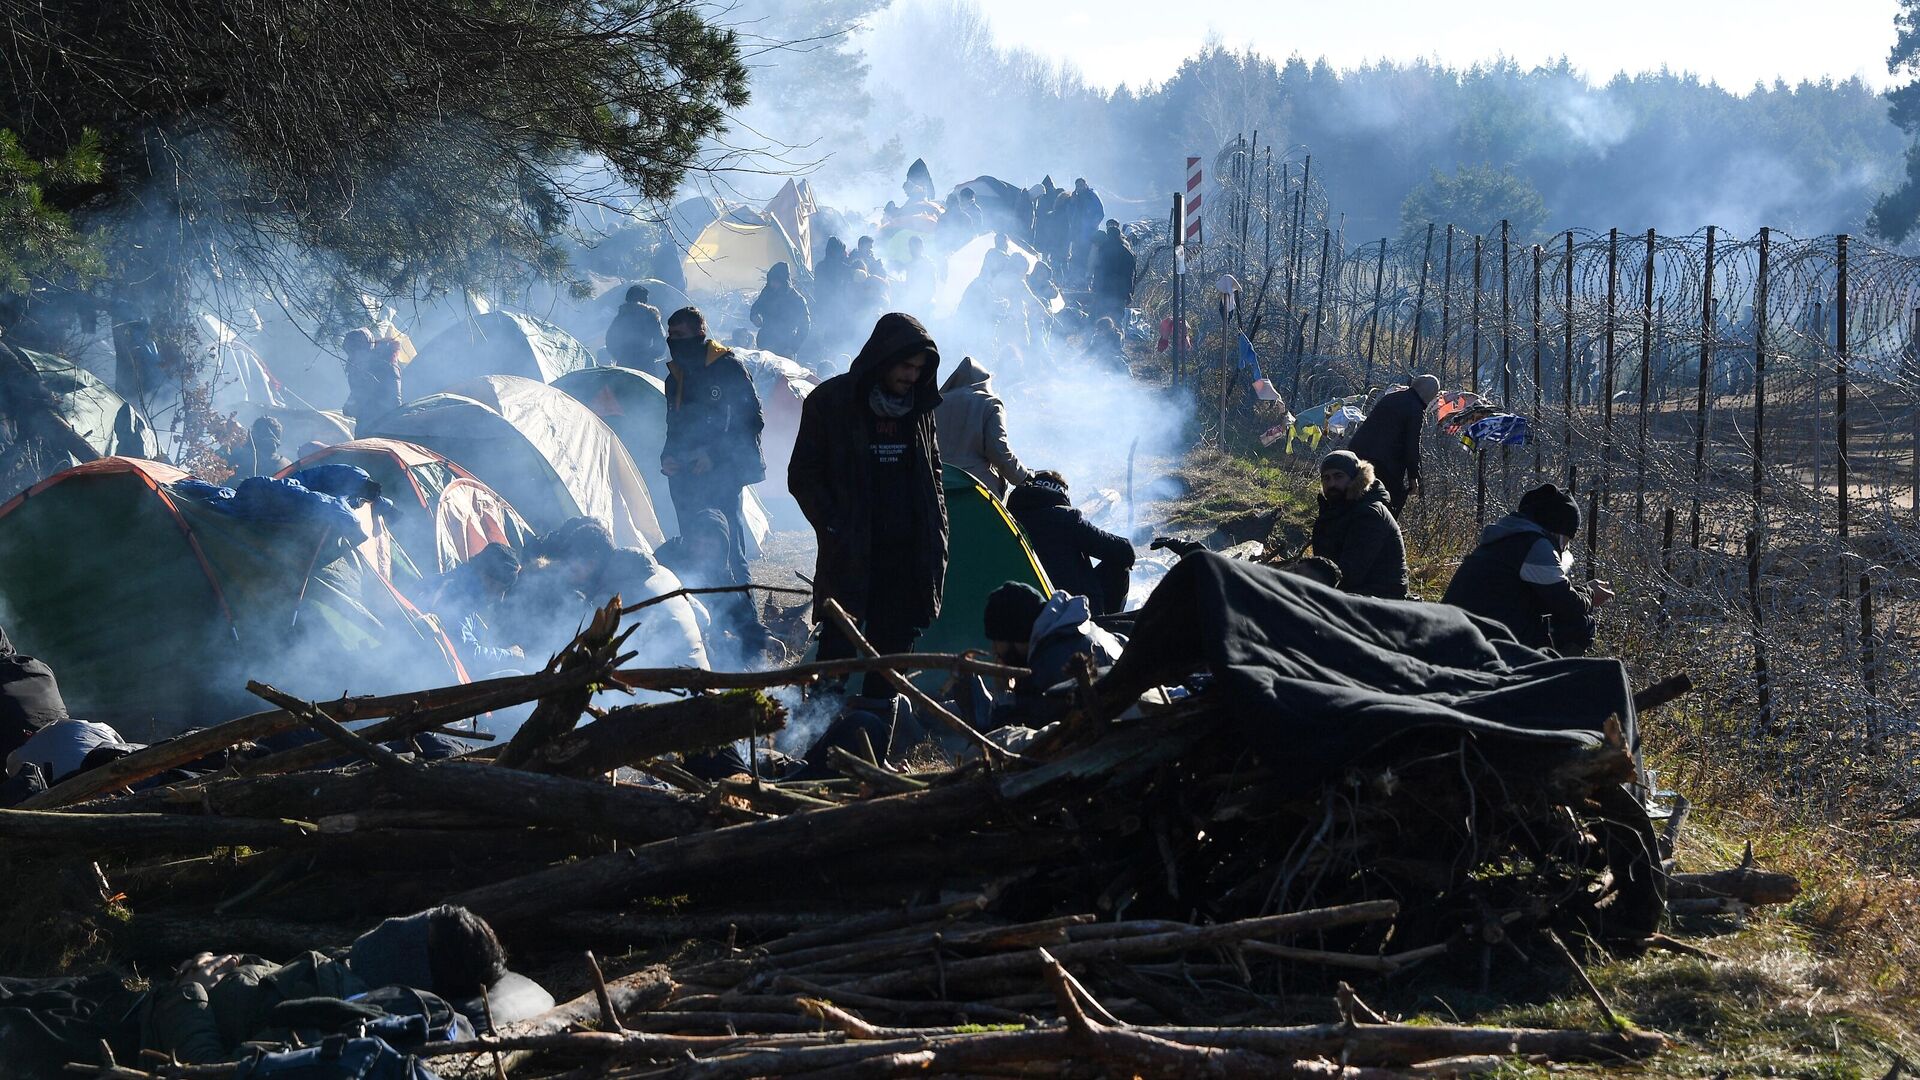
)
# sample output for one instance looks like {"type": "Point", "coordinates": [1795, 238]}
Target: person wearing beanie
{"type": "Point", "coordinates": [1390, 438]}
{"type": "Point", "coordinates": [866, 471]}
{"type": "Point", "coordinates": [636, 337]}
{"type": "Point", "coordinates": [1078, 556]}
{"type": "Point", "coordinates": [1356, 530]}
{"type": "Point", "coordinates": [1048, 636]}
{"type": "Point", "coordinates": [1518, 575]}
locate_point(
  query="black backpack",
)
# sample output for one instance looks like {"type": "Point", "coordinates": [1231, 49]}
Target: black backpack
{"type": "Point", "coordinates": [337, 1058]}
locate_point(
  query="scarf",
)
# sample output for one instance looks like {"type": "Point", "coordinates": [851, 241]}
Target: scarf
{"type": "Point", "coordinates": [885, 404]}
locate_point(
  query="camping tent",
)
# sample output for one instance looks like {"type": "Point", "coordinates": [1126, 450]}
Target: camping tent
{"type": "Point", "coordinates": [444, 515]}
{"type": "Point", "coordinates": [496, 343]}
{"type": "Point", "coordinates": [783, 387]}
{"type": "Point", "coordinates": [91, 408]}
{"type": "Point", "coordinates": [634, 404]}
{"type": "Point", "coordinates": [963, 266]}
{"type": "Point", "coordinates": [731, 255]}
{"type": "Point", "coordinates": [157, 621]}
{"type": "Point", "coordinates": [985, 550]}
{"type": "Point", "coordinates": [547, 453]}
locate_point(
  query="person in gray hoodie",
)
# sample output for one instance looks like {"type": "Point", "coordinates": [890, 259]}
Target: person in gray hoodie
{"type": "Point", "coordinates": [1048, 636]}
{"type": "Point", "coordinates": [971, 423]}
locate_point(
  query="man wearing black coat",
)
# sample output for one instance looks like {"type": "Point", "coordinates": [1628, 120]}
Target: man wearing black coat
{"type": "Point", "coordinates": [634, 338]}
{"type": "Point", "coordinates": [866, 472]}
{"type": "Point", "coordinates": [1068, 545]}
{"type": "Point", "coordinates": [781, 314]}
{"type": "Point", "coordinates": [1390, 438]}
{"type": "Point", "coordinates": [712, 449]}
{"type": "Point", "coordinates": [1357, 531]}
{"type": "Point", "coordinates": [1518, 576]}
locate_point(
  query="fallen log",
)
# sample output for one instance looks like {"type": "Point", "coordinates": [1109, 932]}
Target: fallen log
{"type": "Point", "coordinates": [622, 811]}
{"type": "Point", "coordinates": [634, 733]}
{"type": "Point", "coordinates": [637, 994]}
{"type": "Point", "coordinates": [148, 832]}
{"type": "Point", "coordinates": [1747, 883]}
{"type": "Point", "coordinates": [1406, 1044]}
{"type": "Point", "coordinates": [593, 650]}
{"type": "Point", "coordinates": [1667, 690]}
{"type": "Point", "coordinates": [166, 938]}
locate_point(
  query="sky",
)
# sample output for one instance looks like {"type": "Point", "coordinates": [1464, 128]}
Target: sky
{"type": "Point", "coordinates": [1731, 42]}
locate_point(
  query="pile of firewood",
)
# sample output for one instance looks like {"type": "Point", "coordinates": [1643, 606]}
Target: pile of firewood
{"type": "Point", "coordinates": [1123, 896]}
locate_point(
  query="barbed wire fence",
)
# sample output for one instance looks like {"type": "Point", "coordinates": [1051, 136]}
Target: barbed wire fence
{"type": "Point", "coordinates": [1739, 418]}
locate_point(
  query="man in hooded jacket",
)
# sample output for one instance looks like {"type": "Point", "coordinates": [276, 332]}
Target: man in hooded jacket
{"type": "Point", "coordinates": [635, 338]}
{"type": "Point", "coordinates": [1390, 438]}
{"type": "Point", "coordinates": [972, 422]}
{"type": "Point", "coordinates": [1518, 576]}
{"type": "Point", "coordinates": [866, 472]}
{"type": "Point", "coordinates": [1067, 544]}
{"type": "Point", "coordinates": [714, 421]}
{"type": "Point", "coordinates": [781, 314]}
{"type": "Point", "coordinates": [1357, 531]}
{"type": "Point", "coordinates": [1049, 636]}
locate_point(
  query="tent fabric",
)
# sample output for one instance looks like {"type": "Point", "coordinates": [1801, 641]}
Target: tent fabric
{"type": "Point", "coordinates": [634, 404]}
{"type": "Point", "coordinates": [1318, 677]}
{"type": "Point", "coordinates": [963, 266]}
{"type": "Point", "coordinates": [985, 550]}
{"type": "Point", "coordinates": [435, 537]}
{"type": "Point", "coordinates": [157, 621]}
{"type": "Point", "coordinates": [733, 256]}
{"type": "Point", "coordinates": [299, 426]}
{"type": "Point", "coordinates": [793, 209]}
{"type": "Point", "coordinates": [546, 453]}
{"type": "Point", "coordinates": [495, 343]}
{"type": "Point", "coordinates": [89, 406]}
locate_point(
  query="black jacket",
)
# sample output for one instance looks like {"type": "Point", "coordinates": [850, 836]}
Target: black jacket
{"type": "Point", "coordinates": [830, 476]}
{"type": "Point", "coordinates": [713, 407]}
{"type": "Point", "coordinates": [1517, 578]}
{"type": "Point", "coordinates": [1362, 537]}
{"type": "Point", "coordinates": [782, 316]}
{"type": "Point", "coordinates": [1390, 435]}
{"type": "Point", "coordinates": [1066, 543]}
{"type": "Point", "coordinates": [635, 338]}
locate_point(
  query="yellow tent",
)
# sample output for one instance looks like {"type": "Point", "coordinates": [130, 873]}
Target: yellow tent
{"type": "Point", "coordinates": [733, 256]}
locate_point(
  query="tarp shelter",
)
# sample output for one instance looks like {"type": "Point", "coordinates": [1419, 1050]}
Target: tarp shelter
{"type": "Point", "coordinates": [793, 208]}
{"type": "Point", "coordinates": [634, 404]}
{"type": "Point", "coordinates": [547, 453]}
{"type": "Point", "coordinates": [1004, 207]}
{"type": "Point", "coordinates": [91, 408]}
{"type": "Point", "coordinates": [443, 515]}
{"type": "Point", "coordinates": [963, 266]}
{"type": "Point", "coordinates": [496, 343]}
{"type": "Point", "coordinates": [731, 255]}
{"type": "Point", "coordinates": [155, 623]}
{"type": "Point", "coordinates": [985, 550]}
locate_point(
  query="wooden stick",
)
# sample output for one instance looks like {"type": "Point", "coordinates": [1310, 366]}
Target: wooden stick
{"type": "Point", "coordinates": [148, 832]}
{"type": "Point", "coordinates": [1612, 1018]}
{"type": "Point", "coordinates": [683, 678]}
{"type": "Point", "coordinates": [870, 774]}
{"type": "Point", "coordinates": [1383, 965]}
{"type": "Point", "coordinates": [319, 721]}
{"type": "Point", "coordinates": [847, 626]}
{"type": "Point", "coordinates": [609, 1018]}
{"type": "Point", "coordinates": [711, 589]}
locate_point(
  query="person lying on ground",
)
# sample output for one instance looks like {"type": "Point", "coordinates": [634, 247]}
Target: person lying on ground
{"type": "Point", "coordinates": [1519, 575]}
{"type": "Point", "coordinates": [1357, 531]}
{"type": "Point", "coordinates": [214, 1004]}
{"type": "Point", "coordinates": [1079, 557]}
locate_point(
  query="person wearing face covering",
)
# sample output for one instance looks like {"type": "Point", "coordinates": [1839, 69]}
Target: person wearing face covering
{"type": "Point", "coordinates": [866, 472]}
{"type": "Point", "coordinates": [714, 421]}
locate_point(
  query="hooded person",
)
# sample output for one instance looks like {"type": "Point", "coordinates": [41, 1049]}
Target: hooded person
{"type": "Point", "coordinates": [1079, 557]}
{"type": "Point", "coordinates": [259, 453]}
{"type": "Point", "coordinates": [216, 1003]}
{"type": "Point", "coordinates": [781, 314]}
{"type": "Point", "coordinates": [1048, 636]}
{"type": "Point", "coordinates": [373, 376]}
{"type": "Point", "coordinates": [712, 448]}
{"type": "Point", "coordinates": [635, 338]}
{"type": "Point", "coordinates": [1356, 531]}
{"type": "Point", "coordinates": [29, 697]}
{"type": "Point", "coordinates": [972, 427]}
{"type": "Point", "coordinates": [1390, 438]}
{"type": "Point", "coordinates": [1518, 575]}
{"type": "Point", "coordinates": [866, 472]}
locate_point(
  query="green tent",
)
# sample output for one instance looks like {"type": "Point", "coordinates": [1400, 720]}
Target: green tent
{"type": "Point", "coordinates": [985, 550]}
{"type": "Point", "coordinates": [91, 408]}
{"type": "Point", "coordinates": [157, 621]}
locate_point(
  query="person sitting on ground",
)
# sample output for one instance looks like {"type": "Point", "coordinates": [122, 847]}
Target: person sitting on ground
{"type": "Point", "coordinates": [1518, 576]}
{"type": "Point", "coordinates": [781, 314]}
{"type": "Point", "coordinates": [635, 338]}
{"type": "Point", "coordinates": [1049, 636]}
{"type": "Point", "coordinates": [1390, 438]}
{"type": "Point", "coordinates": [971, 422]}
{"type": "Point", "coordinates": [1356, 530]}
{"type": "Point", "coordinates": [258, 452]}
{"type": "Point", "coordinates": [1068, 545]}
{"type": "Point", "coordinates": [467, 600]}
{"type": "Point", "coordinates": [700, 557]}
{"type": "Point", "coordinates": [216, 1003]}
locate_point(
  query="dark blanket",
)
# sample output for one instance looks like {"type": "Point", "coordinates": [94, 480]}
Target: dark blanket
{"type": "Point", "coordinates": [1318, 677]}
{"type": "Point", "coordinates": [47, 1023]}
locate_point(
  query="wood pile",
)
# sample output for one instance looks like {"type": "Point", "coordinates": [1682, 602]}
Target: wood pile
{"type": "Point", "coordinates": [1128, 895]}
